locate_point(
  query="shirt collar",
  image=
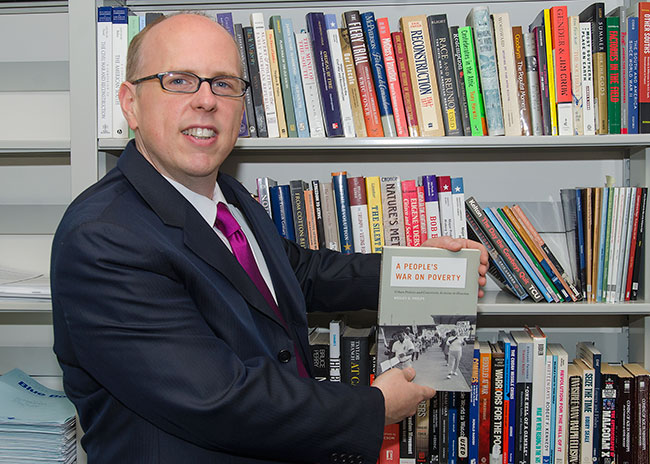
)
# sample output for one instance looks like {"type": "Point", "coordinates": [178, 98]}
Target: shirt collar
{"type": "Point", "coordinates": [207, 207]}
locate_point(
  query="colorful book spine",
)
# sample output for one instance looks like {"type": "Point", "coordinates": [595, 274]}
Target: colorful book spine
{"type": "Point", "coordinates": [595, 15]}
{"type": "Point", "coordinates": [339, 74]}
{"type": "Point", "coordinates": [344, 215]}
{"type": "Point", "coordinates": [562, 64]}
{"type": "Point", "coordinates": [460, 79]}
{"type": "Point", "coordinates": [644, 67]}
{"type": "Point", "coordinates": [330, 219]}
{"type": "Point", "coordinates": [474, 408]}
{"type": "Point", "coordinates": [432, 207]}
{"type": "Point", "coordinates": [633, 74]}
{"type": "Point", "coordinates": [283, 65]}
{"type": "Point", "coordinates": [281, 211]}
{"type": "Point", "coordinates": [408, 96]}
{"type": "Point", "coordinates": [318, 212]}
{"type": "Point", "coordinates": [613, 75]}
{"type": "Point", "coordinates": [458, 205]}
{"type": "Point", "coordinates": [411, 213]}
{"type": "Point", "coordinates": [471, 78]}
{"type": "Point", "coordinates": [264, 185]}
{"type": "Point", "coordinates": [375, 213]}
{"type": "Point", "coordinates": [259, 31]}
{"type": "Point", "coordinates": [310, 219]}
{"type": "Point", "coordinates": [588, 94]}
{"type": "Point", "coordinates": [543, 70]}
{"type": "Point", "coordinates": [393, 209]}
{"type": "Point", "coordinates": [300, 110]}
{"type": "Point", "coordinates": [392, 77]}
{"type": "Point", "coordinates": [446, 206]}
{"type": "Point", "coordinates": [297, 188]}
{"type": "Point", "coordinates": [316, 126]}
{"type": "Point", "coordinates": [359, 214]}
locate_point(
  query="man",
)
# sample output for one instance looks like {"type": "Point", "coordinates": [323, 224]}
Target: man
{"type": "Point", "coordinates": [174, 347]}
{"type": "Point", "coordinates": [403, 348]}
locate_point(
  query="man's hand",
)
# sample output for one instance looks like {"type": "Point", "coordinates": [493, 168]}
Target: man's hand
{"type": "Point", "coordinates": [401, 395]}
{"type": "Point", "coordinates": [455, 244]}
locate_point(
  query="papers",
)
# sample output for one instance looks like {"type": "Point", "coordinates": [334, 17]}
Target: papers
{"type": "Point", "coordinates": [19, 284]}
{"type": "Point", "coordinates": [37, 424]}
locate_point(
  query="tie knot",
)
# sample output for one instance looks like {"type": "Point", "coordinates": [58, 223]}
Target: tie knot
{"type": "Point", "coordinates": [225, 221]}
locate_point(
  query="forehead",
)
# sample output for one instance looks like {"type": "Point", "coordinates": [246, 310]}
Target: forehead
{"type": "Point", "coordinates": [190, 43]}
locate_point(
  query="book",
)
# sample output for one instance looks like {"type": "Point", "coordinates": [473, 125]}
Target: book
{"type": "Point", "coordinates": [344, 215]}
{"type": "Point", "coordinates": [532, 77]}
{"type": "Point", "coordinates": [339, 75]}
{"type": "Point", "coordinates": [355, 355]}
{"type": "Point", "coordinates": [470, 73]}
{"type": "Point", "coordinates": [592, 357]}
{"type": "Point", "coordinates": [575, 414]}
{"type": "Point", "coordinates": [644, 66]}
{"type": "Point", "coordinates": [119, 48]}
{"type": "Point", "coordinates": [369, 102]}
{"type": "Point", "coordinates": [375, 54]}
{"type": "Point", "coordinates": [393, 211]}
{"type": "Point", "coordinates": [595, 15]}
{"type": "Point", "coordinates": [559, 437]}
{"type": "Point", "coordinates": [522, 81]}
{"type": "Point", "coordinates": [276, 84]}
{"type": "Point", "coordinates": [392, 78]}
{"type": "Point", "coordinates": [537, 396]}
{"type": "Point", "coordinates": [408, 95]}
{"type": "Point", "coordinates": [268, 98]}
{"type": "Point", "coordinates": [375, 213]}
{"type": "Point", "coordinates": [458, 207]}
{"type": "Point", "coordinates": [632, 78]}
{"type": "Point", "coordinates": [610, 420]}
{"type": "Point", "coordinates": [441, 46]}
{"type": "Point", "coordinates": [319, 348]}
{"type": "Point", "coordinates": [275, 23]}
{"type": "Point", "coordinates": [510, 349]}
{"type": "Point", "coordinates": [295, 69]}
{"type": "Point", "coordinates": [422, 432]}
{"type": "Point", "coordinates": [485, 412]}
{"type": "Point", "coordinates": [474, 407]}
{"type": "Point", "coordinates": [315, 126]}
{"type": "Point", "coordinates": [543, 67]}
{"type": "Point", "coordinates": [310, 219]}
{"type": "Point", "coordinates": [587, 79]}
{"type": "Point", "coordinates": [318, 213]}
{"type": "Point", "coordinates": [587, 416]}
{"type": "Point", "coordinates": [389, 452]}
{"type": "Point", "coordinates": [104, 69]}
{"type": "Point", "coordinates": [429, 289]}
{"type": "Point", "coordinates": [263, 192]}
{"type": "Point", "coordinates": [411, 213]}
{"type": "Point", "coordinates": [297, 188]}
{"type": "Point", "coordinates": [248, 125]}
{"type": "Point", "coordinates": [282, 213]}
{"type": "Point", "coordinates": [613, 70]}
{"type": "Point", "coordinates": [432, 208]}
{"type": "Point", "coordinates": [640, 245]}
{"type": "Point", "coordinates": [423, 75]}
{"type": "Point", "coordinates": [640, 416]}
{"type": "Point", "coordinates": [562, 64]}
{"type": "Point", "coordinates": [256, 82]}
{"type": "Point", "coordinates": [575, 54]}
{"type": "Point", "coordinates": [497, 431]}
{"type": "Point", "coordinates": [351, 80]}
{"type": "Point", "coordinates": [524, 394]}
{"type": "Point", "coordinates": [479, 19]}
{"type": "Point", "coordinates": [337, 327]}
{"type": "Point", "coordinates": [625, 412]}
{"type": "Point", "coordinates": [460, 79]}
{"type": "Point", "coordinates": [507, 72]}
{"type": "Point", "coordinates": [330, 219]}
{"type": "Point", "coordinates": [359, 214]}
{"type": "Point", "coordinates": [446, 206]}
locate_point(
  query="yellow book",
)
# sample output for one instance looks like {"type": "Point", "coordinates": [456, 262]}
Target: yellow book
{"type": "Point", "coordinates": [550, 63]}
{"type": "Point", "coordinates": [277, 85]}
{"type": "Point", "coordinates": [375, 213]}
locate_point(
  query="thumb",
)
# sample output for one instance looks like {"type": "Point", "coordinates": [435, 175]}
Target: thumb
{"type": "Point", "coordinates": [409, 373]}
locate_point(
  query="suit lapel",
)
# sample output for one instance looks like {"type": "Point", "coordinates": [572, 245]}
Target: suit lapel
{"type": "Point", "coordinates": [175, 211]}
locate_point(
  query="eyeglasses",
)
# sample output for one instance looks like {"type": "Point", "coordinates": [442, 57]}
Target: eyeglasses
{"type": "Point", "coordinates": [187, 82]}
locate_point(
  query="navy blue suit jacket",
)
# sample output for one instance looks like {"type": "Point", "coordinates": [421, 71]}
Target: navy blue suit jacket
{"type": "Point", "coordinates": [169, 351]}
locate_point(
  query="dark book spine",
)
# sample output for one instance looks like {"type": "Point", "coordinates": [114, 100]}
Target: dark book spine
{"type": "Point", "coordinates": [320, 361]}
{"type": "Point", "coordinates": [256, 82]}
{"type": "Point", "coordinates": [543, 69]}
{"type": "Point", "coordinates": [460, 80]}
{"type": "Point", "coordinates": [342, 200]}
{"type": "Point", "coordinates": [325, 74]}
{"type": "Point", "coordinates": [281, 210]}
{"type": "Point", "coordinates": [575, 397]}
{"type": "Point", "coordinates": [318, 209]}
{"type": "Point", "coordinates": [407, 439]}
{"type": "Point", "coordinates": [443, 411]}
{"type": "Point", "coordinates": [297, 188]}
{"type": "Point", "coordinates": [524, 410]}
{"type": "Point", "coordinates": [355, 361]}
{"type": "Point", "coordinates": [463, 428]}
{"type": "Point", "coordinates": [422, 451]}
{"type": "Point", "coordinates": [452, 454]}
{"type": "Point", "coordinates": [285, 80]}
{"type": "Point", "coordinates": [644, 68]}
{"type": "Point", "coordinates": [379, 73]}
{"type": "Point", "coordinates": [625, 413]}
{"type": "Point", "coordinates": [444, 64]}
{"type": "Point", "coordinates": [496, 404]}
{"type": "Point", "coordinates": [524, 279]}
{"type": "Point", "coordinates": [640, 424]}
{"type": "Point", "coordinates": [609, 419]}
{"type": "Point", "coordinates": [249, 111]}
{"type": "Point", "coordinates": [596, 362]}
{"type": "Point", "coordinates": [640, 246]}
{"type": "Point", "coordinates": [434, 430]}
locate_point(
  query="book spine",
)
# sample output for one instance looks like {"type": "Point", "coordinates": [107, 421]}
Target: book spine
{"type": "Point", "coordinates": [401, 60]}
{"type": "Point", "coordinates": [633, 74]}
{"type": "Point", "coordinates": [256, 82]}
{"type": "Point", "coordinates": [248, 125]}
{"type": "Point", "coordinates": [339, 74]}
{"type": "Point", "coordinates": [359, 213]}
{"type": "Point", "coordinates": [561, 414]}
{"type": "Point", "coordinates": [281, 211]}
{"type": "Point", "coordinates": [496, 408]}
{"type": "Point", "coordinates": [537, 398]}
{"type": "Point", "coordinates": [353, 88]}
{"type": "Point", "coordinates": [259, 31]}
{"type": "Point", "coordinates": [623, 34]}
{"type": "Point", "coordinates": [599, 53]}
{"type": "Point", "coordinates": [587, 425]}
{"type": "Point", "coordinates": [310, 219]}
{"type": "Point", "coordinates": [562, 65]}
{"type": "Point", "coordinates": [104, 70]}
{"type": "Point", "coordinates": [411, 213]}
{"type": "Point", "coordinates": [446, 207]}
{"type": "Point", "coordinates": [485, 383]}
{"type": "Point", "coordinates": [512, 405]}
{"type": "Point", "coordinates": [524, 403]}
{"type": "Point", "coordinates": [362, 66]}
{"type": "Point", "coordinates": [532, 76]}
{"type": "Point", "coordinates": [460, 79]}
{"type": "Point", "coordinates": [522, 84]}
{"type": "Point", "coordinates": [119, 48]}
{"type": "Point", "coordinates": [507, 73]}
{"type": "Point", "coordinates": [471, 78]}
{"type": "Point", "coordinates": [609, 419]}
{"type": "Point", "coordinates": [392, 78]}
{"type": "Point", "coordinates": [369, 26]}
{"type": "Point", "coordinates": [575, 52]}
{"type": "Point", "coordinates": [444, 66]}
{"type": "Point", "coordinates": [479, 19]}
{"type": "Point", "coordinates": [276, 84]}
{"type": "Point", "coordinates": [375, 213]}
{"type": "Point", "coordinates": [391, 200]}
{"type": "Point", "coordinates": [624, 450]}
{"type": "Point", "coordinates": [355, 360]}
{"type": "Point", "coordinates": [633, 241]}
{"type": "Point", "coordinates": [543, 70]}
{"type": "Point", "coordinates": [640, 246]}
{"type": "Point", "coordinates": [434, 430]}
{"type": "Point", "coordinates": [263, 193]}
{"type": "Point", "coordinates": [422, 432]}
{"type": "Point", "coordinates": [318, 212]}
{"type": "Point", "coordinates": [452, 442]}
{"type": "Point", "coordinates": [462, 429]}
{"type": "Point", "coordinates": [297, 188]}
{"type": "Point", "coordinates": [423, 75]}
{"type": "Point", "coordinates": [443, 449]}
{"type": "Point", "coordinates": [474, 409]}
{"type": "Point", "coordinates": [547, 26]}
{"type": "Point", "coordinates": [407, 441]}
{"type": "Point", "coordinates": [330, 221]}
{"type": "Point", "coordinates": [613, 75]}
{"type": "Point", "coordinates": [587, 74]}
{"type": "Point", "coordinates": [300, 110]}
{"type": "Point", "coordinates": [336, 330]}
{"type": "Point", "coordinates": [644, 67]}
{"type": "Point", "coordinates": [389, 452]}
{"type": "Point", "coordinates": [575, 419]}
{"type": "Point", "coordinates": [432, 207]}
{"type": "Point", "coordinates": [320, 361]}
{"type": "Point", "coordinates": [549, 410]}
{"type": "Point", "coordinates": [316, 126]}
{"type": "Point", "coordinates": [458, 206]}
{"type": "Point", "coordinates": [285, 80]}
{"type": "Point", "coordinates": [344, 215]}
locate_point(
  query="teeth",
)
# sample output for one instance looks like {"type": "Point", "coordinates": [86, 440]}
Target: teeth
{"type": "Point", "coordinates": [199, 132]}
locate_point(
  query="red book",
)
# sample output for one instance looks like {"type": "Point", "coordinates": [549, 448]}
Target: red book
{"type": "Point", "coordinates": [562, 53]}
{"type": "Point", "coordinates": [644, 68]}
{"type": "Point", "coordinates": [389, 452]}
{"type": "Point", "coordinates": [392, 77]}
{"type": "Point", "coordinates": [366, 84]}
{"type": "Point", "coordinates": [405, 82]}
{"type": "Point", "coordinates": [423, 214]}
{"type": "Point", "coordinates": [411, 213]}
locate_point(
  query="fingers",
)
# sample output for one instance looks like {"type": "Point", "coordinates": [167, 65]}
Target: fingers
{"type": "Point", "coordinates": [409, 373]}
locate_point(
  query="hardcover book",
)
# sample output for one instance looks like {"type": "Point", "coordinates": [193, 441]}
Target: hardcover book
{"type": "Point", "coordinates": [314, 126]}
{"type": "Point", "coordinates": [429, 292]}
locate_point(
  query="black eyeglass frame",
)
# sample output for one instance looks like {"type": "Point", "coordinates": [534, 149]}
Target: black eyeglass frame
{"type": "Point", "coordinates": [209, 80]}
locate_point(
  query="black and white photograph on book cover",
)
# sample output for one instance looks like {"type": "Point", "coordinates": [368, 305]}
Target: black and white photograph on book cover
{"type": "Point", "coordinates": [440, 352]}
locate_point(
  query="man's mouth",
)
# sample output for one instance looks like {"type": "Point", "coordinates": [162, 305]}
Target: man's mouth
{"type": "Point", "coordinates": [200, 132]}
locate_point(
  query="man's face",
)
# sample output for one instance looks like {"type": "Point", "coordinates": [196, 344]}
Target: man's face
{"type": "Point", "coordinates": [185, 136]}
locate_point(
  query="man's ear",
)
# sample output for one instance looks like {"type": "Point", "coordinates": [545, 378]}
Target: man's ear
{"type": "Point", "coordinates": [129, 104]}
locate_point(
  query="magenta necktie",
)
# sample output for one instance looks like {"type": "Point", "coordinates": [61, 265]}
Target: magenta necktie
{"type": "Point", "coordinates": [229, 226]}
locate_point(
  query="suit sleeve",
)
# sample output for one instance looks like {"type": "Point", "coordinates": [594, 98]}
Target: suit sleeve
{"type": "Point", "coordinates": [121, 302]}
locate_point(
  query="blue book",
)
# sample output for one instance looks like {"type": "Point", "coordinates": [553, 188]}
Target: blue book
{"type": "Point", "coordinates": [343, 213]}
{"type": "Point", "coordinates": [519, 256]}
{"type": "Point", "coordinates": [581, 243]}
{"type": "Point", "coordinates": [452, 455]}
{"type": "Point", "coordinates": [378, 73]}
{"type": "Point", "coordinates": [633, 74]}
{"type": "Point", "coordinates": [474, 408]}
{"type": "Point", "coordinates": [282, 212]}
{"type": "Point", "coordinates": [295, 78]}
{"type": "Point", "coordinates": [324, 69]}
{"type": "Point", "coordinates": [601, 245]}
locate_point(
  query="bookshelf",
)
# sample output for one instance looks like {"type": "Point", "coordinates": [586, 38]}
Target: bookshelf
{"type": "Point", "coordinates": [42, 170]}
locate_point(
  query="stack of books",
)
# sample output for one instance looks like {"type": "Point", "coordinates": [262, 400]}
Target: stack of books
{"type": "Point", "coordinates": [583, 74]}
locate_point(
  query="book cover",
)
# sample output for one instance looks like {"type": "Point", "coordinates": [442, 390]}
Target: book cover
{"type": "Point", "coordinates": [393, 211]}
{"type": "Point", "coordinates": [470, 73]}
{"type": "Point", "coordinates": [522, 81]}
{"type": "Point", "coordinates": [595, 15]}
{"type": "Point", "coordinates": [268, 98]}
{"type": "Point", "coordinates": [375, 54]}
{"type": "Point", "coordinates": [256, 82]}
{"type": "Point", "coordinates": [444, 65]}
{"type": "Point", "coordinates": [344, 215]}
{"type": "Point", "coordinates": [315, 127]}
{"type": "Point", "coordinates": [429, 290]}
{"type": "Point", "coordinates": [275, 23]}
{"type": "Point", "coordinates": [479, 20]}
{"type": "Point", "coordinates": [507, 72]}
{"type": "Point", "coordinates": [460, 79]}
{"type": "Point", "coordinates": [644, 67]}
{"type": "Point", "coordinates": [562, 66]}
{"type": "Point", "coordinates": [392, 78]}
{"type": "Point", "coordinates": [369, 102]}
{"type": "Point", "coordinates": [423, 75]}
{"type": "Point", "coordinates": [632, 79]}
{"type": "Point", "coordinates": [282, 212]}
{"type": "Point", "coordinates": [340, 75]}
{"type": "Point", "coordinates": [375, 213]}
{"type": "Point", "coordinates": [353, 88]}
{"type": "Point", "coordinates": [355, 355]}
{"type": "Point", "coordinates": [310, 219]}
{"type": "Point", "coordinates": [300, 110]}
{"type": "Point", "coordinates": [276, 84]}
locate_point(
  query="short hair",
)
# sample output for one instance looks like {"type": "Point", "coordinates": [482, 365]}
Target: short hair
{"type": "Point", "coordinates": [134, 56]}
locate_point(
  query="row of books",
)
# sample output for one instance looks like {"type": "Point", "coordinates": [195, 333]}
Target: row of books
{"type": "Point", "coordinates": [605, 235]}
{"type": "Point", "coordinates": [582, 74]}
{"type": "Point", "coordinates": [362, 214]}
